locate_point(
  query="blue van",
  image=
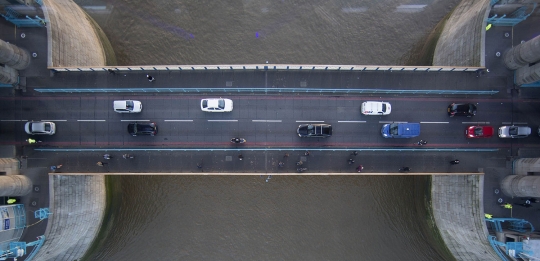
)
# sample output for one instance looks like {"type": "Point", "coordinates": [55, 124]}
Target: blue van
{"type": "Point", "coordinates": [400, 130]}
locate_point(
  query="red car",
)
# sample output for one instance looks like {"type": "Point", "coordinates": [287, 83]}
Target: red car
{"type": "Point", "coordinates": [479, 132]}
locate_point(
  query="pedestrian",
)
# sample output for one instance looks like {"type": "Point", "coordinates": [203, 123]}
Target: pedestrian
{"type": "Point", "coordinates": [127, 156]}
{"type": "Point", "coordinates": [488, 216]}
{"type": "Point", "coordinates": [53, 168]}
{"type": "Point", "coordinates": [150, 78]}
{"type": "Point", "coordinates": [31, 141]}
{"type": "Point", "coordinates": [281, 164]}
{"type": "Point", "coordinates": [531, 200]}
{"type": "Point", "coordinates": [306, 153]}
{"type": "Point", "coordinates": [59, 166]}
{"type": "Point", "coordinates": [405, 169]}
{"type": "Point", "coordinates": [240, 157]}
{"type": "Point", "coordinates": [454, 162]}
{"type": "Point", "coordinates": [507, 205]}
{"type": "Point", "coordinates": [359, 168]}
{"type": "Point", "coordinates": [523, 205]}
{"type": "Point", "coordinates": [286, 155]}
{"type": "Point", "coordinates": [101, 164]}
{"type": "Point", "coordinates": [107, 156]}
{"type": "Point", "coordinates": [111, 71]}
{"type": "Point", "coordinates": [11, 201]}
{"type": "Point", "coordinates": [422, 142]}
{"type": "Point", "coordinates": [354, 153]}
{"type": "Point", "coordinates": [351, 161]}
{"type": "Point", "coordinates": [199, 165]}
{"type": "Point", "coordinates": [299, 163]}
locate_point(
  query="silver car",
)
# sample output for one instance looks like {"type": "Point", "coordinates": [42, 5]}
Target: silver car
{"type": "Point", "coordinates": [216, 105]}
{"type": "Point", "coordinates": [514, 131]}
{"type": "Point", "coordinates": [40, 128]}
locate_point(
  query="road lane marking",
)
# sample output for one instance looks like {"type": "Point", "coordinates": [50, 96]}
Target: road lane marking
{"type": "Point", "coordinates": [223, 120]}
{"type": "Point", "coordinates": [266, 120]}
{"type": "Point", "coordinates": [475, 122]}
{"type": "Point", "coordinates": [90, 120]}
{"type": "Point", "coordinates": [514, 123]}
{"type": "Point", "coordinates": [434, 122]}
{"type": "Point", "coordinates": [53, 120]}
{"type": "Point", "coordinates": [392, 122]}
{"type": "Point", "coordinates": [134, 120]}
{"type": "Point", "coordinates": [353, 121]}
{"type": "Point", "coordinates": [13, 120]}
{"type": "Point", "coordinates": [181, 120]}
{"type": "Point", "coordinates": [309, 121]}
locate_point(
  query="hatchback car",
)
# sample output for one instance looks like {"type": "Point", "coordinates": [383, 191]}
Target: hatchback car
{"type": "Point", "coordinates": [514, 131]}
{"type": "Point", "coordinates": [136, 128]}
{"type": "Point", "coordinates": [216, 105]}
{"type": "Point", "coordinates": [461, 109]}
{"type": "Point", "coordinates": [479, 131]}
{"type": "Point", "coordinates": [127, 106]}
{"type": "Point", "coordinates": [314, 130]}
{"type": "Point", "coordinates": [376, 108]}
{"type": "Point", "coordinates": [40, 128]}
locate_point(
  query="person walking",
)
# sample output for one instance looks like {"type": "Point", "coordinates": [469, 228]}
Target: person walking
{"type": "Point", "coordinates": [351, 161]}
{"type": "Point", "coordinates": [150, 78]}
{"type": "Point", "coordinates": [359, 168]}
{"type": "Point", "coordinates": [101, 164]}
{"type": "Point", "coordinates": [111, 72]}
{"type": "Point", "coordinates": [31, 141]}
{"type": "Point", "coordinates": [286, 155]}
{"type": "Point", "coordinates": [107, 156]}
{"type": "Point", "coordinates": [454, 162]}
{"type": "Point", "coordinates": [281, 164]}
{"type": "Point", "coordinates": [240, 157]}
{"type": "Point", "coordinates": [299, 163]}
{"type": "Point", "coordinates": [127, 156]}
{"type": "Point", "coordinates": [354, 153]}
{"type": "Point", "coordinates": [507, 205]}
{"type": "Point", "coordinates": [405, 169]}
{"type": "Point", "coordinates": [306, 153]}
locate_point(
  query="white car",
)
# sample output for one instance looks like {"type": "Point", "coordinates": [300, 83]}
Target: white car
{"type": "Point", "coordinates": [40, 128]}
{"type": "Point", "coordinates": [216, 105]}
{"type": "Point", "coordinates": [376, 108]}
{"type": "Point", "coordinates": [514, 131]}
{"type": "Point", "coordinates": [127, 106]}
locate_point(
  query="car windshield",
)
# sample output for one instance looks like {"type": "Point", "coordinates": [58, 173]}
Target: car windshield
{"type": "Point", "coordinates": [478, 131]}
{"type": "Point", "coordinates": [513, 130]}
{"type": "Point", "coordinates": [310, 129]}
{"type": "Point", "coordinates": [129, 104]}
{"type": "Point", "coordinates": [384, 107]}
{"type": "Point", "coordinates": [205, 103]}
{"type": "Point", "coordinates": [394, 129]}
{"type": "Point", "coordinates": [221, 104]}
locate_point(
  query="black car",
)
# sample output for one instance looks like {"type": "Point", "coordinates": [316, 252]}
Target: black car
{"type": "Point", "coordinates": [314, 130]}
{"type": "Point", "coordinates": [461, 109]}
{"type": "Point", "coordinates": [136, 128]}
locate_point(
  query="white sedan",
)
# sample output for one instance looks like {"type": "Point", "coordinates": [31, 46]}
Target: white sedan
{"type": "Point", "coordinates": [216, 105]}
{"type": "Point", "coordinates": [40, 127]}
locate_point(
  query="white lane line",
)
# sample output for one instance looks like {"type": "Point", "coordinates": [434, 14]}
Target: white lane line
{"type": "Point", "coordinates": [53, 120]}
{"type": "Point", "coordinates": [90, 120]}
{"type": "Point", "coordinates": [513, 123]}
{"type": "Point", "coordinates": [434, 122]}
{"type": "Point", "coordinates": [353, 121]}
{"type": "Point", "coordinates": [475, 122]}
{"type": "Point", "coordinates": [134, 120]}
{"type": "Point", "coordinates": [392, 122]}
{"type": "Point", "coordinates": [181, 120]}
{"type": "Point", "coordinates": [266, 120]}
{"type": "Point", "coordinates": [223, 120]}
{"type": "Point", "coordinates": [13, 120]}
{"type": "Point", "coordinates": [309, 121]}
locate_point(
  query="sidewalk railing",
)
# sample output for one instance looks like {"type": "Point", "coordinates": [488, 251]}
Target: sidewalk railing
{"type": "Point", "coordinates": [264, 90]}
{"type": "Point", "coordinates": [269, 67]}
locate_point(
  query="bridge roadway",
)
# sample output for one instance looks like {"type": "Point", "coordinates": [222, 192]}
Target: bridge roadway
{"type": "Point", "coordinates": [266, 174]}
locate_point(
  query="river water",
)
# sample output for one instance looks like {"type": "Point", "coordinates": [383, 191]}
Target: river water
{"type": "Point", "coordinates": [246, 218]}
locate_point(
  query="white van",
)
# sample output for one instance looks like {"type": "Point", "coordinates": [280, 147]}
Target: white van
{"type": "Point", "coordinates": [376, 108]}
{"type": "Point", "coordinates": [127, 106]}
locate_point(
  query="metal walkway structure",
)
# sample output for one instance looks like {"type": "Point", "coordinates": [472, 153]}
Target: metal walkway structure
{"type": "Point", "coordinates": [19, 20]}
{"type": "Point", "coordinates": [512, 19]}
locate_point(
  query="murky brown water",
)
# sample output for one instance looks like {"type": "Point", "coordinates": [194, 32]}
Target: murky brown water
{"type": "Point", "coordinates": [289, 218]}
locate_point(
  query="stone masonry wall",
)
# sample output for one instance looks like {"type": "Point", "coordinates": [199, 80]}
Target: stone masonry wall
{"type": "Point", "coordinates": [463, 39]}
{"type": "Point", "coordinates": [458, 209]}
{"type": "Point", "coordinates": [72, 40]}
{"type": "Point", "coordinates": [77, 204]}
